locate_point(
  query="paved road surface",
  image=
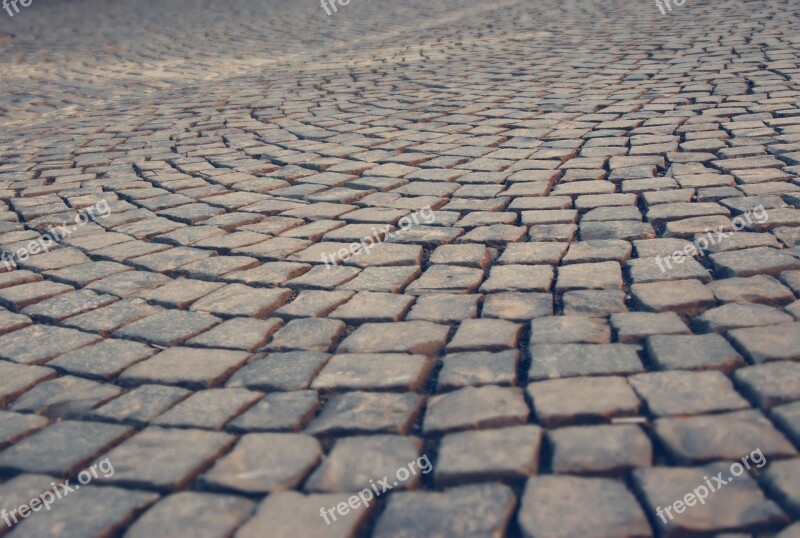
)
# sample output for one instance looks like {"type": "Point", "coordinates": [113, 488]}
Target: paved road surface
{"type": "Point", "coordinates": [505, 268]}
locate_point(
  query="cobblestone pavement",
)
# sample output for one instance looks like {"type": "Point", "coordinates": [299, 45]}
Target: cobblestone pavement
{"type": "Point", "coordinates": [438, 234]}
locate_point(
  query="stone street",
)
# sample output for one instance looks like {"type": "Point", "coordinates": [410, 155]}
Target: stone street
{"type": "Point", "coordinates": [512, 268]}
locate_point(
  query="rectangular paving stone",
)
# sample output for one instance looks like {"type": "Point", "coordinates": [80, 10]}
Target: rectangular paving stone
{"type": "Point", "coordinates": [37, 344]}
{"type": "Point", "coordinates": [192, 368]}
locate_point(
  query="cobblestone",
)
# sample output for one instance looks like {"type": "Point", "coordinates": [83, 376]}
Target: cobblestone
{"type": "Point", "coordinates": [338, 243]}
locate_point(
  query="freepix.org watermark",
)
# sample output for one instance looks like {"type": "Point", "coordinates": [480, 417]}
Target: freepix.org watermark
{"type": "Point", "coordinates": [332, 4]}
{"type": "Point", "coordinates": [701, 244]}
{"type": "Point", "coordinates": [368, 243]}
{"type": "Point", "coordinates": [661, 3]}
{"type": "Point", "coordinates": [54, 235]}
{"type": "Point", "coordinates": [57, 492]}
{"type": "Point", "coordinates": [8, 4]}
{"type": "Point", "coordinates": [380, 487]}
{"type": "Point", "coordinates": [701, 492]}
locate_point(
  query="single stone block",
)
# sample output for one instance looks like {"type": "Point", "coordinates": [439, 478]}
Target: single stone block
{"type": "Point", "coordinates": [739, 315]}
{"type": "Point", "coordinates": [309, 334]}
{"type": "Point", "coordinates": [148, 459]}
{"type": "Point", "coordinates": [687, 393]}
{"type": "Point", "coordinates": [695, 352]}
{"type": "Point", "coordinates": [16, 379]}
{"type": "Point", "coordinates": [771, 343]}
{"type": "Point", "coordinates": [738, 505]}
{"type": "Point", "coordinates": [374, 371]}
{"type": "Point", "coordinates": [770, 384]}
{"type": "Point", "coordinates": [687, 297]}
{"type": "Point", "coordinates": [103, 360]}
{"type": "Point", "coordinates": [14, 426]}
{"type": "Point", "coordinates": [189, 367]}
{"type": "Point", "coordinates": [478, 368]}
{"type": "Point", "coordinates": [208, 409]}
{"type": "Point", "coordinates": [489, 455]}
{"type": "Point", "coordinates": [169, 328]}
{"type": "Point", "coordinates": [476, 408]}
{"type": "Point", "coordinates": [420, 337]}
{"type": "Point", "coordinates": [62, 448]}
{"type": "Point", "coordinates": [279, 411]}
{"type": "Point", "coordinates": [444, 308]}
{"type": "Point", "coordinates": [559, 402]}
{"type": "Point", "coordinates": [65, 396]}
{"type": "Point", "coordinates": [200, 514]}
{"type": "Point", "coordinates": [517, 306]}
{"type": "Point", "coordinates": [604, 449]}
{"type": "Point", "coordinates": [354, 461]}
{"type": "Point", "coordinates": [550, 361]}
{"type": "Point", "coordinates": [292, 370]}
{"type": "Point", "coordinates": [265, 462]}
{"type": "Point", "coordinates": [367, 412]}
{"type": "Point", "coordinates": [480, 510]}
{"type": "Point", "coordinates": [485, 335]}
{"type": "Point", "coordinates": [569, 329]}
{"type": "Point", "coordinates": [238, 333]}
{"type": "Point", "coordinates": [547, 508]}
{"type": "Point", "coordinates": [139, 406]}
{"type": "Point", "coordinates": [727, 436]}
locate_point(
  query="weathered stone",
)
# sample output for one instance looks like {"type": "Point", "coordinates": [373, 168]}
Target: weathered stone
{"type": "Point", "coordinates": [603, 449]}
{"type": "Point", "coordinates": [590, 399]}
{"type": "Point", "coordinates": [475, 408]}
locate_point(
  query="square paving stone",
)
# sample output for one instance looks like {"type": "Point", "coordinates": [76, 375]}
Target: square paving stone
{"type": "Point", "coordinates": [604, 449]}
{"type": "Point", "coordinates": [184, 366]}
{"type": "Point", "coordinates": [103, 360]}
{"type": "Point", "coordinates": [354, 461]}
{"type": "Point", "coordinates": [753, 261]}
{"type": "Point", "coordinates": [374, 371]}
{"type": "Point", "coordinates": [533, 253]}
{"type": "Point", "coordinates": [290, 514]}
{"type": "Point", "coordinates": [695, 352]}
{"type": "Point", "coordinates": [687, 297]}
{"type": "Point", "coordinates": [65, 396]}
{"type": "Point", "coordinates": [770, 384]}
{"type": "Point", "coordinates": [164, 459]}
{"type": "Point", "coordinates": [279, 411]}
{"type": "Point", "coordinates": [569, 329]}
{"type": "Point", "coordinates": [517, 306]}
{"type": "Point", "coordinates": [62, 306]}
{"type": "Point", "coordinates": [62, 448]}
{"type": "Point", "coordinates": [14, 426]}
{"type": "Point", "coordinates": [608, 509]}
{"type": "Point", "coordinates": [558, 402]}
{"type": "Point", "coordinates": [139, 406]}
{"type": "Point", "coordinates": [292, 370]}
{"type": "Point", "coordinates": [518, 278]}
{"type": "Point", "coordinates": [444, 308]}
{"type": "Point", "coordinates": [129, 284]}
{"type": "Point", "coordinates": [770, 343]}
{"type": "Point", "coordinates": [484, 407]}
{"type": "Point", "coordinates": [208, 409]}
{"type": "Point", "coordinates": [477, 368]}
{"type": "Point", "coordinates": [367, 412]}
{"type": "Point", "coordinates": [18, 492]}
{"type": "Point", "coordinates": [314, 303]}
{"type": "Point", "coordinates": [168, 328]}
{"type": "Point", "coordinates": [737, 506]}
{"type": "Point", "coordinates": [477, 510]}
{"type": "Point", "coordinates": [739, 315]}
{"type": "Point", "coordinates": [238, 333]}
{"type": "Point", "coordinates": [10, 322]}
{"type": "Point", "coordinates": [110, 318]}
{"type": "Point", "coordinates": [369, 306]}
{"type": "Point", "coordinates": [485, 335]}
{"type": "Point", "coordinates": [180, 293]}
{"type": "Point", "coordinates": [93, 512]}
{"type": "Point", "coordinates": [550, 361]}
{"type": "Point", "coordinates": [16, 379]}
{"type": "Point", "coordinates": [446, 279]}
{"type": "Point", "coordinates": [687, 393]}
{"type": "Point", "coordinates": [782, 481]}
{"type": "Point", "coordinates": [39, 343]}
{"type": "Point", "coordinates": [241, 300]}
{"type": "Point", "coordinates": [418, 337]}
{"type": "Point", "coordinates": [203, 515]}
{"type": "Point", "coordinates": [489, 455]}
{"type": "Point", "coordinates": [762, 289]}
{"type": "Point", "coordinates": [309, 334]}
{"type": "Point", "coordinates": [265, 462]}
{"type": "Point", "coordinates": [599, 303]}
{"type": "Point", "coordinates": [787, 418]}
{"type": "Point", "coordinates": [17, 298]}
{"type": "Point", "coordinates": [633, 327]}
{"type": "Point", "coordinates": [707, 438]}
{"type": "Point", "coordinates": [603, 275]}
